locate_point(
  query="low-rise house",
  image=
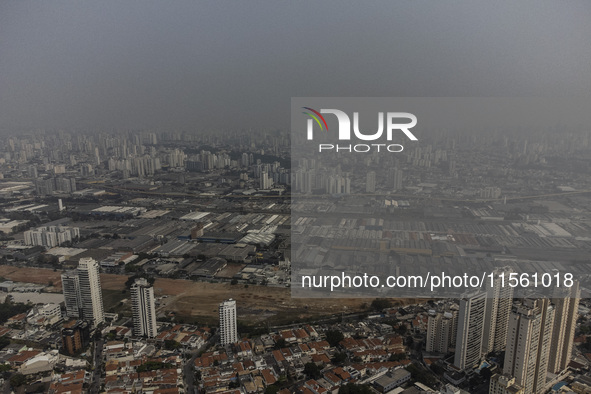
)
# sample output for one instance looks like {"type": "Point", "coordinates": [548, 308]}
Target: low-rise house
{"type": "Point", "coordinates": [42, 362]}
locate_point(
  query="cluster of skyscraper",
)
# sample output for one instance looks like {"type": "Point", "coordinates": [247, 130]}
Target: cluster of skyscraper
{"type": "Point", "coordinates": [393, 181]}
{"type": "Point", "coordinates": [84, 299]}
{"type": "Point", "coordinates": [308, 177]}
{"type": "Point", "coordinates": [52, 185]}
{"type": "Point", "coordinates": [51, 236]}
{"type": "Point", "coordinates": [536, 334]}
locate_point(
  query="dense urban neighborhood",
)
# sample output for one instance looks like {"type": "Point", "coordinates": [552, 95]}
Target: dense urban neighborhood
{"type": "Point", "coordinates": [159, 263]}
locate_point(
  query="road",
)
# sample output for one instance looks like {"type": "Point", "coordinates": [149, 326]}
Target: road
{"type": "Point", "coordinates": [188, 372]}
{"type": "Point", "coordinates": [95, 378]}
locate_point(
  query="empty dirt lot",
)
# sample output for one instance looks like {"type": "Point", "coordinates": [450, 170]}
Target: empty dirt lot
{"type": "Point", "coordinates": [200, 299]}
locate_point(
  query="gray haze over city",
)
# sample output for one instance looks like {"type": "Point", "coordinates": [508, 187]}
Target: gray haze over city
{"type": "Point", "coordinates": [235, 65]}
{"type": "Point", "coordinates": [194, 197]}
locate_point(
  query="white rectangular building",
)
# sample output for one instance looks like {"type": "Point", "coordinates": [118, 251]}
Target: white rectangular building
{"type": "Point", "coordinates": [228, 326]}
{"type": "Point", "coordinates": [143, 309]}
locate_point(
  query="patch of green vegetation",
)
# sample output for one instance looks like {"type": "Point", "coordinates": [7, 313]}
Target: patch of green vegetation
{"type": "Point", "coordinates": [112, 300]}
{"type": "Point", "coordinates": [171, 344]}
{"type": "Point", "coordinates": [153, 366]}
{"type": "Point", "coordinates": [421, 376]}
{"type": "Point", "coordinates": [333, 337]}
{"type": "Point", "coordinates": [18, 380]}
{"type": "Point", "coordinates": [9, 309]}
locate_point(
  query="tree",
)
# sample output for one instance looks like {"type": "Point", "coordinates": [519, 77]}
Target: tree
{"type": "Point", "coordinates": [153, 366]}
{"type": "Point", "coordinates": [280, 344]}
{"type": "Point", "coordinates": [312, 370]}
{"type": "Point", "coordinates": [234, 384]}
{"type": "Point", "coordinates": [9, 309]}
{"type": "Point", "coordinates": [171, 344]}
{"type": "Point", "coordinates": [421, 376]}
{"type": "Point", "coordinates": [334, 337]}
{"type": "Point", "coordinates": [4, 342]}
{"type": "Point", "coordinates": [401, 329]}
{"type": "Point", "coordinates": [379, 304]}
{"type": "Point", "coordinates": [397, 357]}
{"type": "Point", "coordinates": [339, 358]}
{"type": "Point", "coordinates": [17, 380]}
{"type": "Point", "coordinates": [272, 389]}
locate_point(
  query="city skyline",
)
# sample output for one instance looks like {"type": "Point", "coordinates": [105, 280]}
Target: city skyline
{"type": "Point", "coordinates": [194, 198]}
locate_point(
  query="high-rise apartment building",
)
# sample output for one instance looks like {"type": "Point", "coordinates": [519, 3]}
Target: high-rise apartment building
{"type": "Point", "coordinates": [75, 336]}
{"type": "Point", "coordinates": [441, 332]}
{"type": "Point", "coordinates": [71, 290]}
{"type": "Point", "coordinates": [470, 330]}
{"type": "Point", "coordinates": [528, 344]}
{"type": "Point", "coordinates": [51, 236]}
{"type": "Point", "coordinates": [498, 308]}
{"type": "Point", "coordinates": [566, 301]}
{"type": "Point", "coordinates": [228, 327]}
{"type": "Point", "coordinates": [143, 309]}
{"type": "Point", "coordinates": [395, 179]}
{"type": "Point", "coordinates": [82, 292]}
{"type": "Point", "coordinates": [265, 182]}
{"type": "Point", "coordinates": [370, 182]}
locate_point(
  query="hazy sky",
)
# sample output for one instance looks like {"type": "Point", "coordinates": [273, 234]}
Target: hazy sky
{"type": "Point", "coordinates": [235, 64]}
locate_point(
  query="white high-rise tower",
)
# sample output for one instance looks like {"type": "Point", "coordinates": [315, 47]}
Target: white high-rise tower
{"type": "Point", "coordinates": [566, 301]}
{"type": "Point", "coordinates": [143, 308]}
{"type": "Point", "coordinates": [441, 332]}
{"type": "Point", "coordinates": [228, 327]}
{"type": "Point", "coordinates": [528, 344]}
{"type": "Point", "coordinates": [91, 297]}
{"type": "Point", "coordinates": [498, 308]}
{"type": "Point", "coordinates": [470, 330]}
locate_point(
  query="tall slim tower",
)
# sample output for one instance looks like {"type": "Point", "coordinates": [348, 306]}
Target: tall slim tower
{"type": "Point", "coordinates": [71, 290]}
{"type": "Point", "coordinates": [528, 344]}
{"type": "Point", "coordinates": [228, 327]}
{"type": "Point", "coordinates": [143, 308]}
{"type": "Point", "coordinates": [395, 179]}
{"type": "Point", "coordinates": [566, 302]}
{"type": "Point", "coordinates": [496, 316]}
{"type": "Point", "coordinates": [370, 182]}
{"type": "Point", "coordinates": [91, 298]}
{"type": "Point", "coordinates": [470, 330]}
{"type": "Point", "coordinates": [440, 332]}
